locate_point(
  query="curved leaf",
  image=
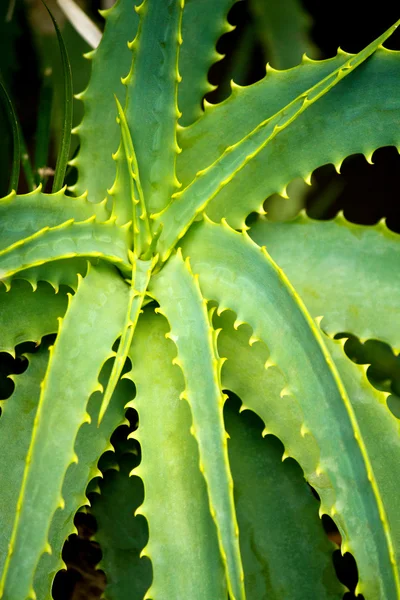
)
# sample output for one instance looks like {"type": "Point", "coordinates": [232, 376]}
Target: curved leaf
{"type": "Point", "coordinates": [27, 314]}
{"type": "Point", "coordinates": [99, 132]}
{"type": "Point", "coordinates": [181, 302]}
{"type": "Point", "coordinates": [356, 116]}
{"type": "Point", "coordinates": [151, 104]}
{"type": "Point", "coordinates": [69, 240]}
{"type": "Point", "coordinates": [181, 530]}
{"type": "Point", "coordinates": [25, 214]}
{"type": "Point", "coordinates": [344, 272]}
{"type": "Point", "coordinates": [286, 553]}
{"type": "Point", "coordinates": [312, 415]}
{"type": "Point", "coordinates": [203, 23]}
{"type": "Point", "coordinates": [72, 375]}
{"type": "Point", "coordinates": [92, 440]}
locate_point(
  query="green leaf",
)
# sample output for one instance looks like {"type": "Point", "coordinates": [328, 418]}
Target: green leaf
{"type": "Point", "coordinates": [203, 23]}
{"type": "Point", "coordinates": [16, 422]}
{"type": "Point", "coordinates": [43, 132]}
{"type": "Point", "coordinates": [121, 534]}
{"type": "Point", "coordinates": [356, 116]}
{"type": "Point", "coordinates": [72, 375]}
{"type": "Point", "coordinates": [28, 315]}
{"type": "Point", "coordinates": [286, 553]}
{"type": "Point", "coordinates": [92, 440]}
{"type": "Point", "coordinates": [151, 106]}
{"type": "Point", "coordinates": [342, 271]}
{"type": "Point", "coordinates": [234, 163]}
{"type": "Point", "coordinates": [181, 530]}
{"type": "Point", "coordinates": [323, 435]}
{"type": "Point", "coordinates": [99, 132]}
{"type": "Point", "coordinates": [63, 151]}
{"type": "Point", "coordinates": [141, 273]}
{"type": "Point", "coordinates": [181, 302]}
{"type": "Point", "coordinates": [59, 272]}
{"type": "Point", "coordinates": [68, 240]}
{"type": "Point", "coordinates": [25, 214]}
{"type": "Point", "coordinates": [12, 117]}
{"type": "Point", "coordinates": [131, 193]}
{"type": "Point", "coordinates": [381, 433]}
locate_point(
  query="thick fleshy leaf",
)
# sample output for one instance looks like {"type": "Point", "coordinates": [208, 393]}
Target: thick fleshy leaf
{"type": "Point", "coordinates": [28, 315]}
{"type": "Point", "coordinates": [92, 440]}
{"type": "Point", "coordinates": [80, 350]}
{"type": "Point", "coordinates": [381, 432]}
{"type": "Point", "coordinates": [24, 215]}
{"type": "Point", "coordinates": [152, 90]}
{"type": "Point", "coordinates": [203, 23]}
{"type": "Point", "coordinates": [69, 240]}
{"type": "Point", "coordinates": [344, 272]}
{"type": "Point", "coordinates": [178, 293]}
{"type": "Point", "coordinates": [181, 529]}
{"type": "Point", "coordinates": [99, 132]}
{"type": "Point", "coordinates": [286, 553]}
{"type": "Point", "coordinates": [355, 116]}
{"type": "Point", "coordinates": [16, 425]}
{"type": "Point", "coordinates": [323, 435]}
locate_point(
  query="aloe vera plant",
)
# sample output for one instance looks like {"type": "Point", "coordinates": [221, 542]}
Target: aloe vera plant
{"type": "Point", "coordinates": [147, 273]}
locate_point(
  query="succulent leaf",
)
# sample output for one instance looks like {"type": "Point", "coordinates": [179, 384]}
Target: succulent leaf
{"type": "Point", "coordinates": [355, 116]}
{"type": "Point", "coordinates": [181, 302]}
{"type": "Point", "coordinates": [151, 107]}
{"type": "Point", "coordinates": [182, 532]}
{"type": "Point", "coordinates": [334, 265]}
{"type": "Point", "coordinates": [286, 553]}
{"type": "Point", "coordinates": [99, 132]}
{"type": "Point", "coordinates": [202, 24]}
{"type": "Point", "coordinates": [71, 377]}
{"type": "Point", "coordinates": [323, 436]}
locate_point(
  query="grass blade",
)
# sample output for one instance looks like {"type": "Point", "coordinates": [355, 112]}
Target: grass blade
{"type": "Point", "coordinates": [63, 154]}
{"type": "Point", "coordinates": [43, 128]}
{"type": "Point", "coordinates": [16, 137]}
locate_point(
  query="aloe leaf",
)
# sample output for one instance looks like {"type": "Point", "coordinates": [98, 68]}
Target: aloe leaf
{"type": "Point", "coordinates": [342, 122]}
{"type": "Point", "coordinates": [286, 553]}
{"type": "Point", "coordinates": [68, 240]}
{"type": "Point", "coordinates": [27, 314]}
{"type": "Point", "coordinates": [141, 273]}
{"type": "Point", "coordinates": [334, 265]}
{"type": "Point", "coordinates": [132, 192]}
{"type": "Point", "coordinates": [25, 214]}
{"type": "Point", "coordinates": [12, 117]}
{"type": "Point", "coordinates": [57, 273]}
{"type": "Point", "coordinates": [80, 350]}
{"type": "Point", "coordinates": [324, 435]}
{"type": "Point", "coordinates": [151, 105]}
{"type": "Point", "coordinates": [203, 23]}
{"type": "Point", "coordinates": [238, 158]}
{"type": "Point", "coordinates": [99, 132]}
{"type": "Point", "coordinates": [182, 530]}
{"type": "Point", "coordinates": [92, 440]}
{"type": "Point", "coordinates": [121, 534]}
{"type": "Point", "coordinates": [381, 432]}
{"type": "Point", "coordinates": [181, 302]}
{"type": "Point", "coordinates": [16, 424]}
{"type": "Point", "coordinates": [63, 151]}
